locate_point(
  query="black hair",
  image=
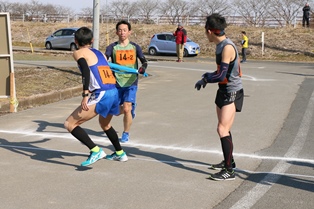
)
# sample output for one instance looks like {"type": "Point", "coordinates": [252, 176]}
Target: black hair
{"type": "Point", "coordinates": [84, 36]}
{"type": "Point", "coordinates": [243, 32]}
{"type": "Point", "coordinates": [216, 23]}
{"type": "Point", "coordinates": [125, 23]}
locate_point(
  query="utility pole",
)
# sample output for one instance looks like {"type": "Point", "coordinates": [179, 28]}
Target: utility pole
{"type": "Point", "coordinates": [96, 12]}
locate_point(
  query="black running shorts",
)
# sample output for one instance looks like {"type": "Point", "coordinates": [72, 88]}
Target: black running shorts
{"type": "Point", "coordinates": [223, 99]}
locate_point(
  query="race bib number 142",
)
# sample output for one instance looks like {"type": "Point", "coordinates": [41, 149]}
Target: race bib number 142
{"type": "Point", "coordinates": [125, 57]}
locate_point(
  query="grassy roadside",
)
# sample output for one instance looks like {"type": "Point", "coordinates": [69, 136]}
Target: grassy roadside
{"type": "Point", "coordinates": [34, 81]}
{"type": "Point", "coordinates": [66, 56]}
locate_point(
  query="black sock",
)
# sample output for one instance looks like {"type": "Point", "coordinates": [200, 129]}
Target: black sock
{"type": "Point", "coordinates": [232, 160]}
{"type": "Point", "coordinates": [82, 136]}
{"type": "Point", "coordinates": [113, 137]}
{"type": "Point", "coordinates": [227, 149]}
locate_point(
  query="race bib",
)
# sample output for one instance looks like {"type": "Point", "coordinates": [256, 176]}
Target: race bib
{"type": "Point", "coordinates": [106, 75]}
{"type": "Point", "coordinates": [125, 57]}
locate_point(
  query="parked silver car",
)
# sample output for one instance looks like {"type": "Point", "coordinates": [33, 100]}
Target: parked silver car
{"type": "Point", "coordinates": [62, 39]}
{"type": "Point", "coordinates": [165, 43]}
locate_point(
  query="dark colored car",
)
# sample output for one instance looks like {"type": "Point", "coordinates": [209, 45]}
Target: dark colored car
{"type": "Point", "coordinates": [62, 39]}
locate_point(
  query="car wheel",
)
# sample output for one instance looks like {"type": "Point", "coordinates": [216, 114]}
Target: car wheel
{"type": "Point", "coordinates": [48, 45]}
{"type": "Point", "coordinates": [185, 53]}
{"type": "Point", "coordinates": [73, 47]}
{"type": "Point", "coordinates": [152, 51]}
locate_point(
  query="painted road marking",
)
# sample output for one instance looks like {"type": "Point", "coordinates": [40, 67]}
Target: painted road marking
{"type": "Point", "coordinates": [244, 76]}
{"type": "Point", "coordinates": [178, 162]}
{"type": "Point", "coordinates": [260, 189]}
{"type": "Point", "coordinates": [101, 140]}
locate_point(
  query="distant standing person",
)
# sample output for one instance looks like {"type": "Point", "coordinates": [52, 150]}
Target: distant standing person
{"type": "Point", "coordinates": [126, 53]}
{"type": "Point", "coordinates": [181, 37]}
{"type": "Point", "coordinates": [245, 46]}
{"type": "Point", "coordinates": [229, 96]}
{"type": "Point", "coordinates": [306, 15]}
{"type": "Point", "coordinates": [100, 97]}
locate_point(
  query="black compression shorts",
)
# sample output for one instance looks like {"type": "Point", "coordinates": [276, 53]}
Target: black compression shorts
{"type": "Point", "coordinates": [223, 99]}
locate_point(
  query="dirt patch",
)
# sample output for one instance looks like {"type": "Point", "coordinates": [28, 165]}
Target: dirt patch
{"type": "Point", "coordinates": [41, 80]}
{"type": "Point", "coordinates": [41, 85]}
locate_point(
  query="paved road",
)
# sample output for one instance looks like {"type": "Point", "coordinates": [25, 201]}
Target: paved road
{"type": "Point", "coordinates": [173, 139]}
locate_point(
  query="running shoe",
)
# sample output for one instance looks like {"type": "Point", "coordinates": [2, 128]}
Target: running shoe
{"type": "Point", "coordinates": [125, 137]}
{"type": "Point", "coordinates": [223, 175]}
{"type": "Point", "coordinates": [221, 165]}
{"type": "Point", "coordinates": [93, 157]}
{"type": "Point", "coordinates": [116, 157]}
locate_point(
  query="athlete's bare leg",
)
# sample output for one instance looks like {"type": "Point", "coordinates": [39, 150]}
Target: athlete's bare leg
{"type": "Point", "coordinates": [127, 116]}
{"type": "Point", "coordinates": [79, 116]}
{"type": "Point", "coordinates": [225, 117]}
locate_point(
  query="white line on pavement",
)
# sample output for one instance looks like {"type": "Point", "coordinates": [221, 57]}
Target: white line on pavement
{"type": "Point", "coordinates": [99, 139]}
{"type": "Point", "coordinates": [260, 189]}
{"type": "Point", "coordinates": [244, 77]}
{"type": "Point", "coordinates": [156, 161]}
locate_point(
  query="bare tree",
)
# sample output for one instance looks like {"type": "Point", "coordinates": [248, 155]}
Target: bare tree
{"type": "Point", "coordinates": [5, 6]}
{"type": "Point", "coordinates": [207, 7]}
{"type": "Point", "coordinates": [123, 9]}
{"type": "Point", "coordinates": [33, 8]}
{"type": "Point", "coordinates": [17, 9]}
{"type": "Point", "coordinates": [147, 8]}
{"type": "Point", "coordinates": [87, 11]}
{"type": "Point", "coordinates": [285, 11]}
{"type": "Point", "coordinates": [253, 12]}
{"type": "Point", "coordinates": [175, 10]}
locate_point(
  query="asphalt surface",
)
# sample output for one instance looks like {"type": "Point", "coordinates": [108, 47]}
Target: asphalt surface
{"type": "Point", "coordinates": [173, 139]}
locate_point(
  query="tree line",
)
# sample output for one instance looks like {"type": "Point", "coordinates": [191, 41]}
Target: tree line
{"type": "Point", "coordinates": [252, 12]}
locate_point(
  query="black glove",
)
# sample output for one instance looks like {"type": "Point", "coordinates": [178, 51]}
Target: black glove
{"type": "Point", "coordinates": [141, 70]}
{"type": "Point", "coordinates": [200, 83]}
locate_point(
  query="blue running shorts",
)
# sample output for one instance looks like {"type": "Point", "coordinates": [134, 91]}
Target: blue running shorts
{"type": "Point", "coordinates": [107, 102]}
{"type": "Point", "coordinates": [127, 94]}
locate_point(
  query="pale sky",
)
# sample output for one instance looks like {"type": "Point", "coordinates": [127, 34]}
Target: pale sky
{"type": "Point", "coordinates": [76, 5]}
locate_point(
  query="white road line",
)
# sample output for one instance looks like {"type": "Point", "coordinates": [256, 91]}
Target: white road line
{"type": "Point", "coordinates": [101, 140]}
{"type": "Point", "coordinates": [261, 188]}
{"type": "Point", "coordinates": [244, 76]}
{"type": "Point", "coordinates": [155, 161]}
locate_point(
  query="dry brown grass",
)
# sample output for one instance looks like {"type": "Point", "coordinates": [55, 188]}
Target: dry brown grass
{"type": "Point", "coordinates": [290, 44]}
{"type": "Point", "coordinates": [41, 80]}
{"type": "Point", "coordinates": [281, 44]}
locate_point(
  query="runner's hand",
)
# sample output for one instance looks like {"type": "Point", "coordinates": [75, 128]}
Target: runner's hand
{"type": "Point", "coordinates": [141, 70]}
{"type": "Point", "coordinates": [200, 83]}
{"type": "Point", "coordinates": [84, 104]}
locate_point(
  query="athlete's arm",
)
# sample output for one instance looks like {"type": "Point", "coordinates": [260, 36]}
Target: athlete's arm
{"type": "Point", "coordinates": [82, 63]}
{"type": "Point", "coordinates": [109, 52]}
{"type": "Point", "coordinates": [217, 76]}
{"type": "Point", "coordinates": [140, 55]}
{"type": "Point", "coordinates": [228, 55]}
{"type": "Point", "coordinates": [85, 73]}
